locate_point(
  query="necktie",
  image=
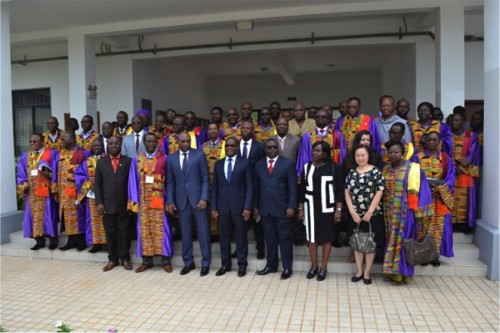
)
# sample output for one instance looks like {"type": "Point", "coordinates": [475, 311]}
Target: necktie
{"type": "Point", "coordinates": [322, 132]}
{"type": "Point", "coordinates": [245, 150]}
{"type": "Point", "coordinates": [137, 143]}
{"type": "Point", "coordinates": [114, 162]}
{"type": "Point", "coordinates": [184, 163]}
{"type": "Point", "coordinates": [282, 143]}
{"type": "Point", "coordinates": [229, 169]}
{"type": "Point", "coordinates": [270, 167]}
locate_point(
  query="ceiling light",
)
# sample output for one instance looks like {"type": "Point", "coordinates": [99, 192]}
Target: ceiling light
{"type": "Point", "coordinates": [244, 25]}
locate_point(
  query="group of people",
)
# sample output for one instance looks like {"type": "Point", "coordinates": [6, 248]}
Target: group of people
{"type": "Point", "coordinates": [289, 177]}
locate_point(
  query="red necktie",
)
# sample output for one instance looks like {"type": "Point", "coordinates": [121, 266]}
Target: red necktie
{"type": "Point", "coordinates": [270, 167]}
{"type": "Point", "coordinates": [114, 162]}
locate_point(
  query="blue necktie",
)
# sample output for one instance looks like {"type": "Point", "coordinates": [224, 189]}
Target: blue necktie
{"type": "Point", "coordinates": [184, 163]}
{"type": "Point", "coordinates": [229, 169]}
{"type": "Point", "coordinates": [245, 150]}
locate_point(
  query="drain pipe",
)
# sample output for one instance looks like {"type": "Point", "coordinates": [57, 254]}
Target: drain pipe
{"type": "Point", "coordinates": [313, 39]}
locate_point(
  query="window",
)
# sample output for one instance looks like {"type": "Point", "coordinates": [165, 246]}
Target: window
{"type": "Point", "coordinates": [31, 110]}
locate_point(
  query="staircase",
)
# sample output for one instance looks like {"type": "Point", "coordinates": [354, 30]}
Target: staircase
{"type": "Point", "coordinates": [465, 263]}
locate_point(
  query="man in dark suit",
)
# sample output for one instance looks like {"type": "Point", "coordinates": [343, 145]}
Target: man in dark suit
{"type": "Point", "coordinates": [275, 200]}
{"type": "Point", "coordinates": [232, 196]}
{"type": "Point", "coordinates": [111, 181]}
{"type": "Point", "coordinates": [289, 147]}
{"type": "Point", "coordinates": [187, 190]}
{"type": "Point", "coordinates": [253, 151]}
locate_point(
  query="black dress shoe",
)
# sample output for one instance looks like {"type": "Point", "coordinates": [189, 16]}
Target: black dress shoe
{"type": "Point", "coordinates": [187, 269]}
{"type": "Point", "coordinates": [204, 270]}
{"type": "Point", "coordinates": [223, 270]}
{"type": "Point", "coordinates": [356, 278]}
{"type": "Point", "coordinates": [38, 246]}
{"type": "Point", "coordinates": [95, 249]}
{"type": "Point", "coordinates": [367, 281]}
{"type": "Point", "coordinates": [313, 271]}
{"type": "Point", "coordinates": [81, 247]}
{"type": "Point", "coordinates": [260, 254]}
{"type": "Point", "coordinates": [321, 274]}
{"type": "Point", "coordinates": [53, 243]}
{"type": "Point", "coordinates": [266, 271]}
{"type": "Point", "coordinates": [286, 274]}
{"type": "Point", "coordinates": [234, 255]}
{"type": "Point", "coordinates": [67, 247]}
{"type": "Point", "coordinates": [436, 263]}
{"type": "Point", "coordinates": [242, 271]}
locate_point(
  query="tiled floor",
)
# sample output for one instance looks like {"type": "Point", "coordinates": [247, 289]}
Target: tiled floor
{"type": "Point", "coordinates": [36, 293]}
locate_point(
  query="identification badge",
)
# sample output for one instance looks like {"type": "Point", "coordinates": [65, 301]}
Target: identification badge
{"type": "Point", "coordinates": [150, 179]}
{"type": "Point", "coordinates": [34, 172]}
{"type": "Point", "coordinates": [91, 194]}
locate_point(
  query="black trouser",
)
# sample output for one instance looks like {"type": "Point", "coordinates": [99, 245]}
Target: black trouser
{"type": "Point", "coordinates": [117, 228]}
{"type": "Point", "coordinates": [258, 233]}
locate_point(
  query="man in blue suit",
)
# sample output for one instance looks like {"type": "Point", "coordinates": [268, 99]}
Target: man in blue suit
{"type": "Point", "coordinates": [275, 202]}
{"type": "Point", "coordinates": [252, 151]}
{"type": "Point", "coordinates": [187, 191]}
{"type": "Point", "coordinates": [232, 196]}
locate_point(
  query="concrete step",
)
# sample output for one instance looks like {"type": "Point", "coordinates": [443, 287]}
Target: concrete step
{"type": "Point", "coordinates": [465, 262]}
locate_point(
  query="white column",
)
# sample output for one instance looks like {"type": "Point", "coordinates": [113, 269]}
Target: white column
{"type": "Point", "coordinates": [425, 63]}
{"type": "Point", "coordinates": [81, 69]}
{"type": "Point", "coordinates": [7, 167]}
{"type": "Point", "coordinates": [450, 56]}
{"type": "Point", "coordinates": [490, 210]}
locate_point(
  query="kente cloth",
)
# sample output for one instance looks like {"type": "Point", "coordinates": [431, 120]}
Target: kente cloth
{"type": "Point", "coordinates": [231, 132]}
{"type": "Point", "coordinates": [349, 126]}
{"type": "Point", "coordinates": [72, 217]}
{"type": "Point", "coordinates": [439, 225]}
{"type": "Point", "coordinates": [84, 178]}
{"type": "Point", "coordinates": [407, 196]}
{"type": "Point", "coordinates": [262, 133]}
{"type": "Point", "coordinates": [40, 213]}
{"type": "Point", "coordinates": [409, 152]}
{"type": "Point", "coordinates": [333, 138]}
{"type": "Point", "coordinates": [169, 144]}
{"type": "Point", "coordinates": [466, 145]}
{"type": "Point", "coordinates": [213, 153]}
{"type": "Point", "coordinates": [147, 196]}
{"type": "Point", "coordinates": [86, 143]}
{"type": "Point", "coordinates": [198, 137]}
{"type": "Point", "coordinates": [56, 144]}
{"type": "Point", "coordinates": [418, 130]}
{"type": "Point", "coordinates": [159, 134]}
{"type": "Point", "coordinates": [126, 131]}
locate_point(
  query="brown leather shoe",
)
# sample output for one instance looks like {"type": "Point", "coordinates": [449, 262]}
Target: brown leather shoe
{"type": "Point", "coordinates": [142, 268]}
{"type": "Point", "coordinates": [168, 268]}
{"type": "Point", "coordinates": [109, 266]}
{"type": "Point", "coordinates": [127, 265]}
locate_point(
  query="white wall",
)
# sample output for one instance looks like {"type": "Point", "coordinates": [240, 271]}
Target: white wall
{"type": "Point", "coordinates": [398, 75]}
{"type": "Point", "coordinates": [474, 70]}
{"type": "Point", "coordinates": [49, 74]}
{"type": "Point", "coordinates": [169, 84]}
{"type": "Point", "coordinates": [313, 89]}
{"type": "Point", "coordinates": [115, 87]}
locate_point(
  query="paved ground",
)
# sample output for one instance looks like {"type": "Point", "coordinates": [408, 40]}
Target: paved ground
{"type": "Point", "coordinates": [37, 293]}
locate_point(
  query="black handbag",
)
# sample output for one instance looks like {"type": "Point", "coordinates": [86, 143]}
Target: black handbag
{"type": "Point", "coordinates": [420, 251]}
{"type": "Point", "coordinates": [363, 242]}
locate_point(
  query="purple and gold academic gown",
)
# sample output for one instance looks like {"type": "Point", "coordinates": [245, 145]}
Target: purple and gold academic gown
{"type": "Point", "coordinates": [147, 195]}
{"type": "Point", "coordinates": [40, 213]}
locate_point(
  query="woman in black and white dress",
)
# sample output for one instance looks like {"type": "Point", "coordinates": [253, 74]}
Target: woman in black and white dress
{"type": "Point", "coordinates": [320, 203]}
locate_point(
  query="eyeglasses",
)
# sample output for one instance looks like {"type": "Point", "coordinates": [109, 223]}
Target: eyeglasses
{"type": "Point", "coordinates": [272, 147]}
{"type": "Point", "coordinates": [265, 114]}
{"type": "Point", "coordinates": [231, 146]}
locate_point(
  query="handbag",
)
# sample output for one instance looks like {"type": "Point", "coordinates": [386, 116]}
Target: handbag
{"type": "Point", "coordinates": [420, 251]}
{"type": "Point", "coordinates": [363, 242]}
